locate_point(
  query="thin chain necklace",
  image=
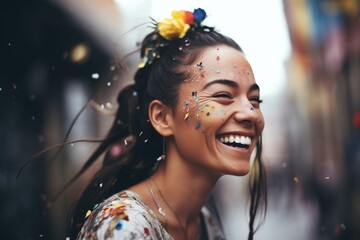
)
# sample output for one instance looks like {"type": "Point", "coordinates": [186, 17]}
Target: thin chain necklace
{"type": "Point", "coordinates": [167, 204]}
{"type": "Point", "coordinates": [160, 210]}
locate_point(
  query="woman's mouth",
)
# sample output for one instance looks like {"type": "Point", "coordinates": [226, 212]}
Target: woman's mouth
{"type": "Point", "coordinates": [236, 141]}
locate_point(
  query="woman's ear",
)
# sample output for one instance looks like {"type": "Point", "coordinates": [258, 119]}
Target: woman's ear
{"type": "Point", "coordinates": [160, 117]}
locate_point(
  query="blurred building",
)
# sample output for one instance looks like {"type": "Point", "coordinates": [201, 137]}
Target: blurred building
{"type": "Point", "coordinates": [324, 87]}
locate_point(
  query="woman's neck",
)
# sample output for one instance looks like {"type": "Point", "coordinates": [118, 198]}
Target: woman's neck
{"type": "Point", "coordinates": [184, 186]}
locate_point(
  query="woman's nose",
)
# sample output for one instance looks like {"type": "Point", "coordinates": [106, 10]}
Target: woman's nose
{"type": "Point", "coordinates": [246, 114]}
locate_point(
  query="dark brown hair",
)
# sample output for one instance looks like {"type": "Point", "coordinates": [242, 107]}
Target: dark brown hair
{"type": "Point", "coordinates": [141, 144]}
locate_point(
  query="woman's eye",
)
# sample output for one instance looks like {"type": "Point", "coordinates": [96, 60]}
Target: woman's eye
{"type": "Point", "coordinates": [256, 101]}
{"type": "Point", "coordinates": [222, 95]}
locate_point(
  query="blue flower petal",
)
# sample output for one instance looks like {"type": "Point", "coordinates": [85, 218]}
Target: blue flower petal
{"type": "Point", "coordinates": [199, 15]}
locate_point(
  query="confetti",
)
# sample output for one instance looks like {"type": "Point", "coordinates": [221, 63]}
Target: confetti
{"type": "Point", "coordinates": [87, 213]}
{"type": "Point", "coordinates": [109, 105]}
{"type": "Point", "coordinates": [108, 84]}
{"type": "Point", "coordinates": [327, 178]}
{"type": "Point", "coordinates": [186, 116]}
{"type": "Point", "coordinates": [198, 125]}
{"type": "Point", "coordinates": [119, 225]}
{"type": "Point", "coordinates": [186, 103]}
{"type": "Point", "coordinates": [125, 142]}
{"type": "Point", "coordinates": [112, 68]}
{"type": "Point", "coordinates": [296, 180]}
{"type": "Point", "coordinates": [100, 185]}
{"type": "Point", "coordinates": [95, 76]}
{"type": "Point", "coordinates": [217, 71]}
{"type": "Point", "coordinates": [252, 109]}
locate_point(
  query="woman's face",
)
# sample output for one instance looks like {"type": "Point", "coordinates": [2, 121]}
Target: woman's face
{"type": "Point", "coordinates": [218, 119]}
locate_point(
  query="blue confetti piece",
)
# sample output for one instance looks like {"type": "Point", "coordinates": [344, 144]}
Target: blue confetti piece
{"type": "Point", "coordinates": [198, 125]}
{"type": "Point", "coordinates": [119, 225]}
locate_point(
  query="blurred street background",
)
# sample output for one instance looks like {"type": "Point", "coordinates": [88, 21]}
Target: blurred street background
{"type": "Point", "coordinates": [56, 55]}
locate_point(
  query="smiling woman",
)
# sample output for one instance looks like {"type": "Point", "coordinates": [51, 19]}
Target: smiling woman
{"type": "Point", "coordinates": [192, 116]}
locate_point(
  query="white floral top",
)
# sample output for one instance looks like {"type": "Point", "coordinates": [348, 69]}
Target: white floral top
{"type": "Point", "coordinates": [125, 216]}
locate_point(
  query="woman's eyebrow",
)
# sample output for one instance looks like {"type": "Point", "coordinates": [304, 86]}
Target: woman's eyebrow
{"type": "Point", "coordinates": [227, 82]}
{"type": "Point", "coordinates": [254, 87]}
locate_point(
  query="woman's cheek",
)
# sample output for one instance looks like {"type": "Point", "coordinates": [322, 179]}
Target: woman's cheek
{"type": "Point", "coordinates": [260, 123]}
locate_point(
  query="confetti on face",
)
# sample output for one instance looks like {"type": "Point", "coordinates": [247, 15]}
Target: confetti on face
{"type": "Point", "coordinates": [200, 66]}
{"type": "Point", "coordinates": [198, 125]}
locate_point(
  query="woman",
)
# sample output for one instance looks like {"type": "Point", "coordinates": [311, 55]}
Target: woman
{"type": "Point", "coordinates": [191, 117]}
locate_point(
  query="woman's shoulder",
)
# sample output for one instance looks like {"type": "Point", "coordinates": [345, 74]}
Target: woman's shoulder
{"type": "Point", "coordinates": [122, 216]}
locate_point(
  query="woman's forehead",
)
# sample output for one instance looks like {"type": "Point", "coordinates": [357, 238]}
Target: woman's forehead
{"type": "Point", "coordinates": [220, 62]}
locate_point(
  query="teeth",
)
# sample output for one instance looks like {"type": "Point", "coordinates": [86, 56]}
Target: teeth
{"type": "Point", "coordinates": [237, 139]}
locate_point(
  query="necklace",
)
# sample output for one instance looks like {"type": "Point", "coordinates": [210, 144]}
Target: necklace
{"type": "Point", "coordinates": [167, 204]}
{"type": "Point", "coordinates": [160, 210]}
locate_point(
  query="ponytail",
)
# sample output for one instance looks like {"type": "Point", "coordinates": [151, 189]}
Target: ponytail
{"type": "Point", "coordinates": [135, 142]}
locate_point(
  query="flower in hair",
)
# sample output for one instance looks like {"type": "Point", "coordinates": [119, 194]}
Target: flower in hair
{"type": "Point", "coordinates": [170, 28]}
{"type": "Point", "coordinates": [180, 23]}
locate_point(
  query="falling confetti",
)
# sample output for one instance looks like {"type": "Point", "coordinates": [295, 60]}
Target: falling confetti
{"type": "Point", "coordinates": [100, 185]}
{"type": "Point", "coordinates": [95, 76]}
{"type": "Point", "coordinates": [327, 178]}
{"type": "Point", "coordinates": [79, 53]}
{"type": "Point", "coordinates": [88, 213]}
{"type": "Point", "coordinates": [109, 105]}
{"type": "Point", "coordinates": [108, 84]}
{"type": "Point", "coordinates": [296, 180]}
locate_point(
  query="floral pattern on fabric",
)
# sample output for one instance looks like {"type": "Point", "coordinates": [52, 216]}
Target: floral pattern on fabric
{"type": "Point", "coordinates": [126, 216]}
